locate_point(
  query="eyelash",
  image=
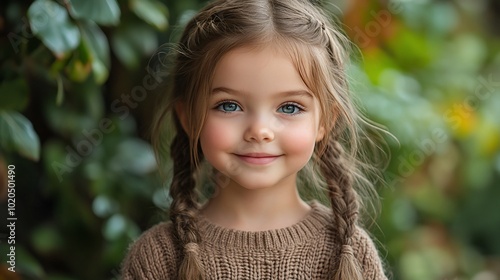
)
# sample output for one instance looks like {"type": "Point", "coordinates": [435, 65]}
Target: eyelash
{"type": "Point", "coordinates": [216, 107]}
{"type": "Point", "coordinates": [298, 106]}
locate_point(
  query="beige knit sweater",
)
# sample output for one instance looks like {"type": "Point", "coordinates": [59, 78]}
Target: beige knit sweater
{"type": "Point", "coordinates": [301, 251]}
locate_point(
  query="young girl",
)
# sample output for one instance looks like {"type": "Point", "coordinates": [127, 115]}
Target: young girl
{"type": "Point", "coordinates": [259, 93]}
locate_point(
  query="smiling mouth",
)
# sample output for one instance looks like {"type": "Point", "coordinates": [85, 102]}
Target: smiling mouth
{"type": "Point", "coordinates": [259, 159]}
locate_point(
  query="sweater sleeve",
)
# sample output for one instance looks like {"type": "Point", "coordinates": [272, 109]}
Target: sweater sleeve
{"type": "Point", "coordinates": [368, 256]}
{"type": "Point", "coordinates": [153, 256]}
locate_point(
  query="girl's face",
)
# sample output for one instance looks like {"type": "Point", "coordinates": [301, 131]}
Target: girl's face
{"type": "Point", "coordinates": [262, 122]}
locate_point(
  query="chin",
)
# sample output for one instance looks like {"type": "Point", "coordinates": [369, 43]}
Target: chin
{"type": "Point", "coordinates": [255, 184]}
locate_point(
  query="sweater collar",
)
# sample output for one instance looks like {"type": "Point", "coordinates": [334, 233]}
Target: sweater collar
{"type": "Point", "coordinates": [315, 221]}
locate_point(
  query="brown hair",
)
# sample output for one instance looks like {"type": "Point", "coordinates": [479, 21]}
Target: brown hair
{"type": "Point", "coordinates": [301, 30]}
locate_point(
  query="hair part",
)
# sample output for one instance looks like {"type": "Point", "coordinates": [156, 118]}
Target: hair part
{"type": "Point", "coordinates": [318, 50]}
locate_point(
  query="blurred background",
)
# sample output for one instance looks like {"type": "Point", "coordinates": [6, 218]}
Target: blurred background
{"type": "Point", "coordinates": [76, 95]}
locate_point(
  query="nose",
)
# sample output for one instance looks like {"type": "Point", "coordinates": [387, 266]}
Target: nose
{"type": "Point", "coordinates": [259, 130]}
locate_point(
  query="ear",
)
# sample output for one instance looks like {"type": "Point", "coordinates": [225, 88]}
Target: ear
{"type": "Point", "coordinates": [321, 133]}
{"type": "Point", "coordinates": [181, 114]}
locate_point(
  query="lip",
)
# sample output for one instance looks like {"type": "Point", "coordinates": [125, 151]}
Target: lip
{"type": "Point", "coordinates": [258, 158]}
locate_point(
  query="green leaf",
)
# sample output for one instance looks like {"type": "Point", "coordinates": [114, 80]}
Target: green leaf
{"type": "Point", "coordinates": [80, 64]}
{"type": "Point", "coordinates": [105, 12]}
{"type": "Point", "coordinates": [132, 42]}
{"type": "Point", "coordinates": [98, 45]}
{"type": "Point", "coordinates": [78, 71]}
{"type": "Point", "coordinates": [17, 135]}
{"type": "Point", "coordinates": [49, 21]}
{"type": "Point", "coordinates": [96, 40]}
{"type": "Point", "coordinates": [14, 95]}
{"type": "Point", "coordinates": [134, 156]}
{"type": "Point", "coordinates": [152, 12]}
{"type": "Point", "coordinates": [30, 266]}
{"type": "Point", "coordinates": [104, 206]}
{"type": "Point", "coordinates": [115, 226]}
{"type": "Point", "coordinates": [100, 71]}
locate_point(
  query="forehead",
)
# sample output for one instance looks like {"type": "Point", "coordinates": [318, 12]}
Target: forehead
{"type": "Point", "coordinates": [258, 69]}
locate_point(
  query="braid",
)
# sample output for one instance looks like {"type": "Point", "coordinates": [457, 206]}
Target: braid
{"type": "Point", "coordinates": [184, 208]}
{"type": "Point", "coordinates": [344, 203]}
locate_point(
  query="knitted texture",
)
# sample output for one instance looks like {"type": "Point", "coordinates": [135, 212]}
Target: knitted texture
{"type": "Point", "coordinates": [301, 251]}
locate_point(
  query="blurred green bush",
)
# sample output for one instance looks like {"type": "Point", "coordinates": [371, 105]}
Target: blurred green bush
{"type": "Point", "coordinates": [76, 92]}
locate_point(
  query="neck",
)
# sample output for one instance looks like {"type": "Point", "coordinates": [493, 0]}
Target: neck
{"type": "Point", "coordinates": [236, 207]}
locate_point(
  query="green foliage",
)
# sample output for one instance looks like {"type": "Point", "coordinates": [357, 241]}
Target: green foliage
{"type": "Point", "coordinates": [105, 12]}
{"type": "Point", "coordinates": [18, 135]}
{"type": "Point", "coordinates": [432, 79]}
{"type": "Point", "coordinates": [151, 12]}
{"type": "Point", "coordinates": [80, 163]}
{"type": "Point", "coordinates": [50, 22]}
{"type": "Point", "coordinates": [73, 119]}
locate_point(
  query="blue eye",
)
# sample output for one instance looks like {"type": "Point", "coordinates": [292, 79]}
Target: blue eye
{"type": "Point", "coordinates": [290, 109]}
{"type": "Point", "coordinates": [228, 107]}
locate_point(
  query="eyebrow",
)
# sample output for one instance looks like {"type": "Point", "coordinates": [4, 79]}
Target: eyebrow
{"type": "Point", "coordinates": [287, 93]}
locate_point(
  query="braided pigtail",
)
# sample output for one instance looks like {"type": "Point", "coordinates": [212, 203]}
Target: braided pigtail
{"type": "Point", "coordinates": [343, 198]}
{"type": "Point", "coordinates": [184, 208]}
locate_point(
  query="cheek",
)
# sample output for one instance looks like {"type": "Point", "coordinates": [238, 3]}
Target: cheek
{"type": "Point", "coordinates": [300, 140]}
{"type": "Point", "coordinates": [215, 135]}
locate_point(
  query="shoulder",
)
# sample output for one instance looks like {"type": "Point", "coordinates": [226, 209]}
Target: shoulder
{"type": "Point", "coordinates": [153, 255]}
{"type": "Point", "coordinates": [367, 255]}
